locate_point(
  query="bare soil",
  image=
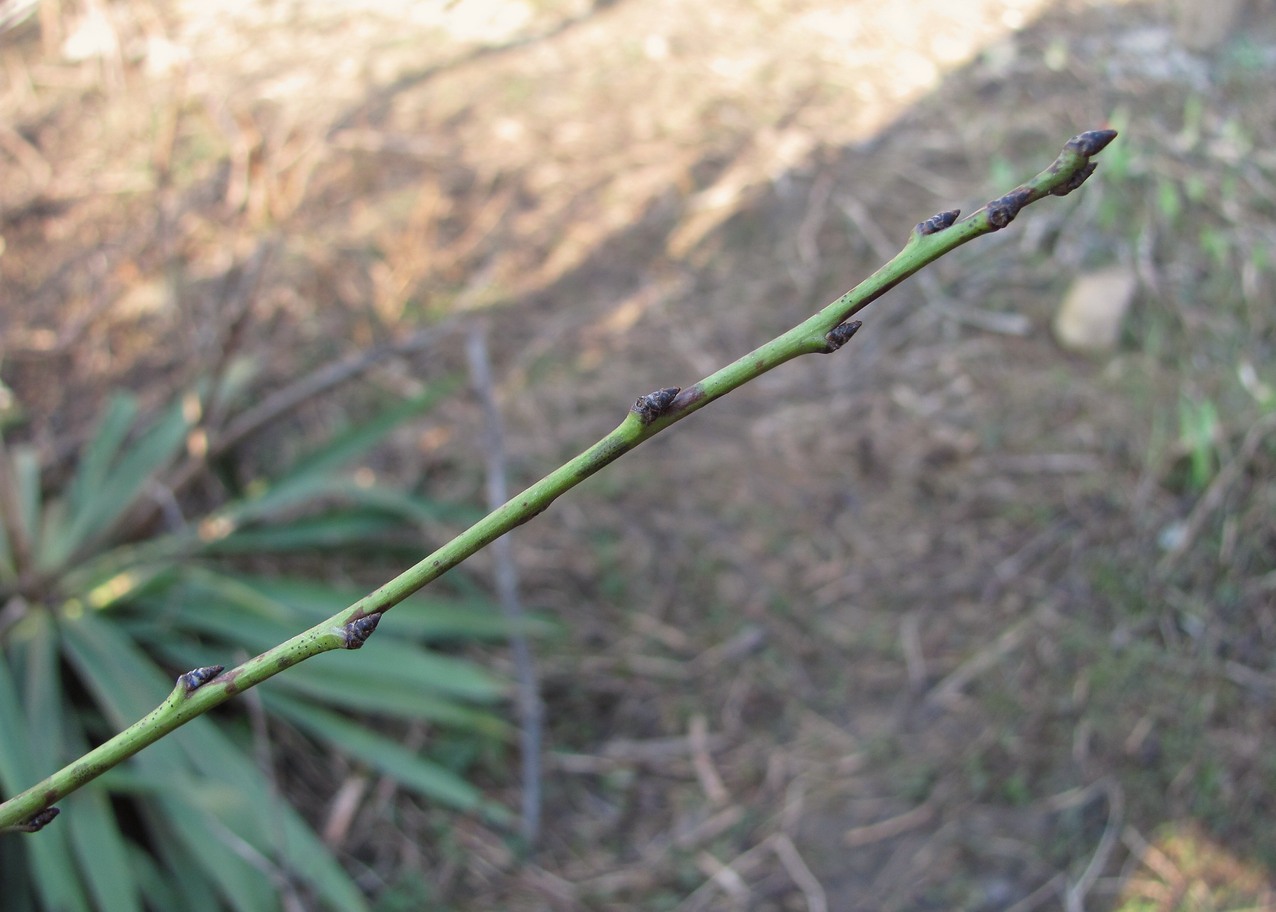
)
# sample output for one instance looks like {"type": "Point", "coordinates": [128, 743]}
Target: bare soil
{"type": "Point", "coordinates": [944, 621]}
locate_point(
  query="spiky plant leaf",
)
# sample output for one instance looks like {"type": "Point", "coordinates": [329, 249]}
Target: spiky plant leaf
{"type": "Point", "coordinates": [128, 615]}
{"type": "Point", "coordinates": [221, 791]}
{"type": "Point", "coordinates": [100, 849]}
{"type": "Point", "coordinates": [115, 480]}
{"type": "Point", "coordinates": [103, 448]}
{"type": "Point", "coordinates": [24, 521]}
{"type": "Point", "coordinates": [383, 754]}
{"type": "Point", "coordinates": [425, 616]}
{"type": "Point", "coordinates": [46, 858]}
{"type": "Point", "coordinates": [314, 475]}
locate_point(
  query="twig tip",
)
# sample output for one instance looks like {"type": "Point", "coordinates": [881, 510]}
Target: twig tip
{"type": "Point", "coordinates": [1091, 142]}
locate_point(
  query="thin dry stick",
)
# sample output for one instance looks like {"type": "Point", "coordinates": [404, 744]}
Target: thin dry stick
{"type": "Point", "coordinates": [980, 662]}
{"type": "Point", "coordinates": [702, 762]}
{"type": "Point", "coordinates": [816, 899]}
{"type": "Point", "coordinates": [910, 641]}
{"type": "Point", "coordinates": [891, 827]}
{"type": "Point", "coordinates": [530, 708]}
{"type": "Point", "coordinates": [1052, 887]}
{"type": "Point", "coordinates": [1074, 898]}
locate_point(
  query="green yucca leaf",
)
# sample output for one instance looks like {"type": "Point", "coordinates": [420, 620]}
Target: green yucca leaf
{"type": "Point", "coordinates": [425, 616]}
{"type": "Point", "coordinates": [265, 819]}
{"type": "Point", "coordinates": [102, 449]}
{"type": "Point", "coordinates": [202, 754]}
{"type": "Point", "coordinates": [48, 857]}
{"type": "Point", "coordinates": [345, 530]}
{"type": "Point", "coordinates": [180, 870]}
{"type": "Point", "coordinates": [214, 834]}
{"type": "Point", "coordinates": [365, 513]}
{"type": "Point", "coordinates": [8, 562]}
{"type": "Point", "coordinates": [24, 462]}
{"type": "Point", "coordinates": [358, 440]}
{"type": "Point", "coordinates": [18, 867]}
{"type": "Point", "coordinates": [55, 883]}
{"type": "Point", "coordinates": [359, 692]}
{"type": "Point", "coordinates": [306, 599]}
{"type": "Point", "coordinates": [313, 476]}
{"type": "Point", "coordinates": [100, 849]}
{"type": "Point", "coordinates": [234, 610]}
{"type": "Point", "coordinates": [42, 691]}
{"type": "Point", "coordinates": [245, 886]}
{"type": "Point", "coordinates": [26, 473]}
{"type": "Point", "coordinates": [394, 664]}
{"type": "Point", "coordinates": [17, 770]}
{"type": "Point", "coordinates": [95, 844]}
{"type": "Point", "coordinates": [15, 875]}
{"type": "Point", "coordinates": [122, 681]}
{"type": "Point", "coordinates": [381, 753]}
{"type": "Point", "coordinates": [120, 576]}
{"type": "Point", "coordinates": [393, 502]}
{"type": "Point", "coordinates": [205, 815]}
{"type": "Point", "coordinates": [163, 892]}
{"type": "Point", "coordinates": [275, 503]}
{"type": "Point", "coordinates": [106, 500]}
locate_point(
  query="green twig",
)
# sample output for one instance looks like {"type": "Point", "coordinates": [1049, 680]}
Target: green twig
{"type": "Point", "coordinates": [200, 690]}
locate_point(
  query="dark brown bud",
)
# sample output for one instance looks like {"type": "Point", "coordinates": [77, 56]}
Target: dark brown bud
{"type": "Point", "coordinates": [39, 820]}
{"type": "Point", "coordinates": [653, 405]}
{"type": "Point", "coordinates": [1001, 212]}
{"type": "Point", "coordinates": [938, 222]}
{"type": "Point", "coordinates": [841, 334]}
{"type": "Point", "coordinates": [1091, 143]}
{"type": "Point", "coordinates": [1076, 180]}
{"type": "Point", "coordinates": [196, 678]}
{"type": "Point", "coordinates": [356, 633]}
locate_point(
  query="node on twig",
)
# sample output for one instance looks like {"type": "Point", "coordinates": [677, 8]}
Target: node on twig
{"type": "Point", "coordinates": [653, 405]}
{"type": "Point", "coordinates": [196, 678]}
{"type": "Point", "coordinates": [841, 334]}
{"type": "Point", "coordinates": [356, 633]}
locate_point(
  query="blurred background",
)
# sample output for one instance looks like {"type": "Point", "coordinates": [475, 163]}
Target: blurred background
{"type": "Point", "coordinates": [977, 614]}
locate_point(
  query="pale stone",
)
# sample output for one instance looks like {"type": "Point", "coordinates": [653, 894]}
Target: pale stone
{"type": "Point", "coordinates": [1089, 319]}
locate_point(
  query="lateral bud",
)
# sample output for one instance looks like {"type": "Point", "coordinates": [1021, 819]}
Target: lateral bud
{"type": "Point", "coordinates": [653, 405]}
{"type": "Point", "coordinates": [38, 821]}
{"type": "Point", "coordinates": [841, 334]}
{"type": "Point", "coordinates": [1076, 180]}
{"type": "Point", "coordinates": [196, 678]}
{"type": "Point", "coordinates": [938, 222]}
{"type": "Point", "coordinates": [356, 633]}
{"type": "Point", "coordinates": [1001, 212]}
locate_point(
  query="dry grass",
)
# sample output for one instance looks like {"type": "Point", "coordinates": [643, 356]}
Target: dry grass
{"type": "Point", "coordinates": [946, 622]}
